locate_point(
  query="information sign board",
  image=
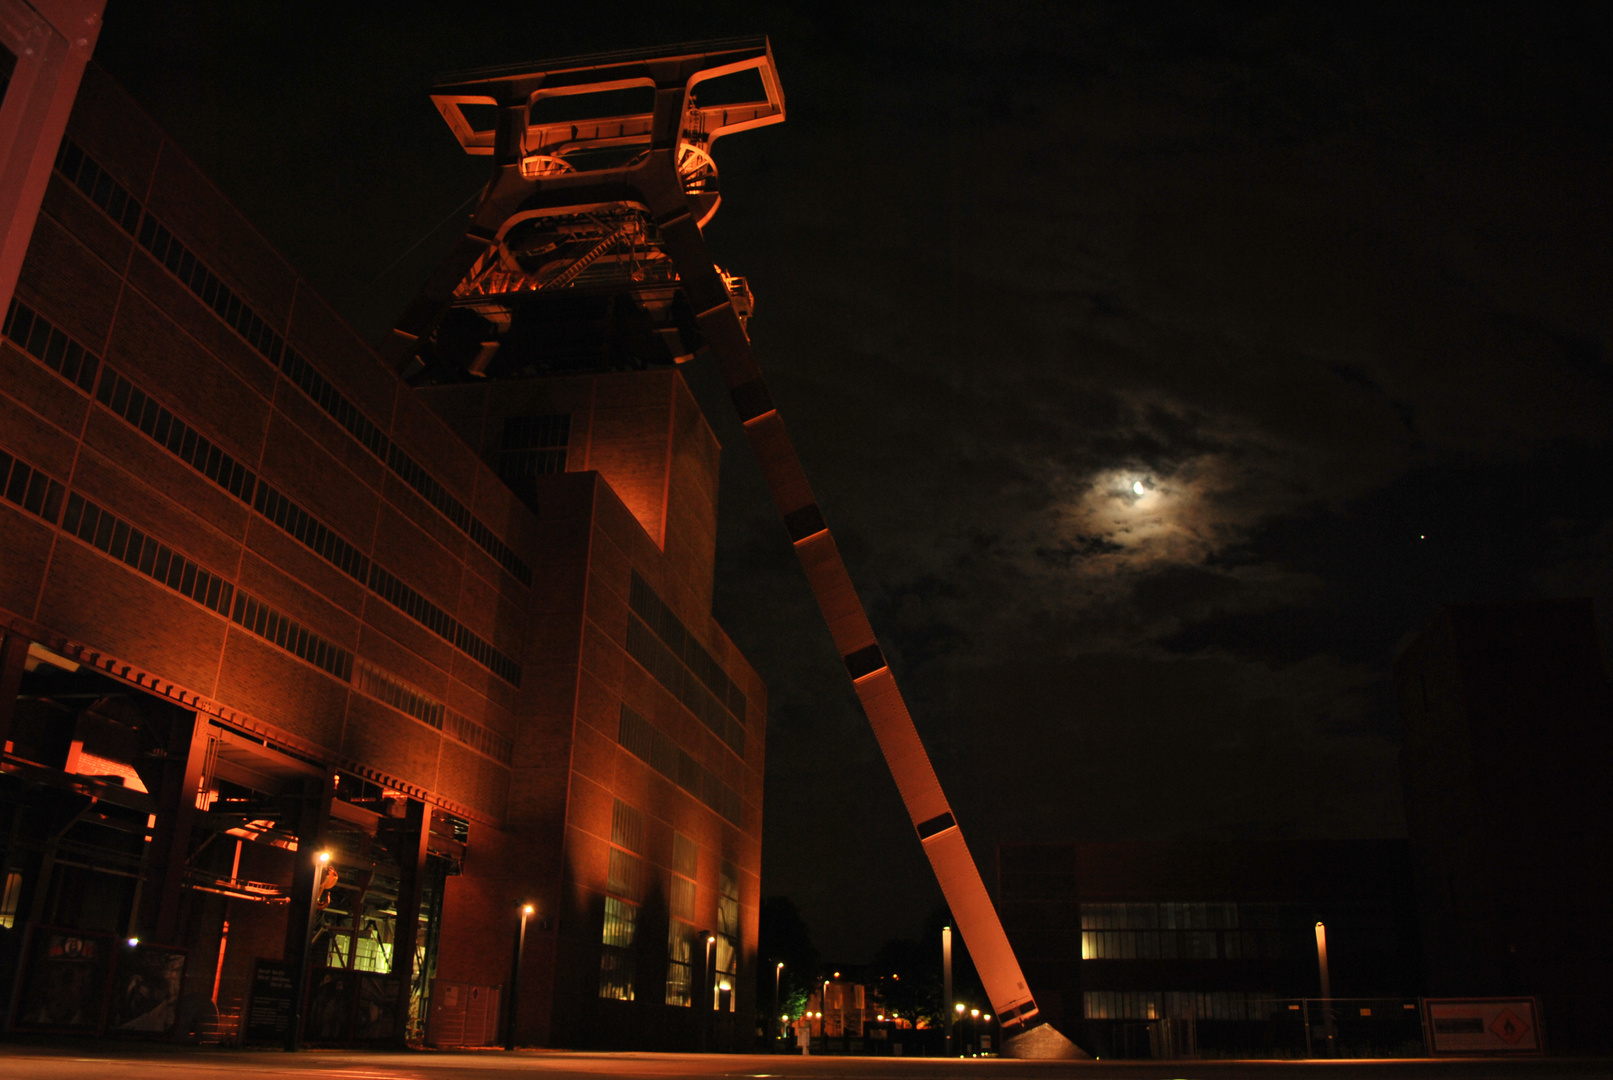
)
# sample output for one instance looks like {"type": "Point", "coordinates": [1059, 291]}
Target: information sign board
{"type": "Point", "coordinates": [268, 1011]}
{"type": "Point", "coordinates": [1483, 1026]}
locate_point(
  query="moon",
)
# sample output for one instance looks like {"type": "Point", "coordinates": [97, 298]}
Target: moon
{"type": "Point", "coordinates": [1136, 487]}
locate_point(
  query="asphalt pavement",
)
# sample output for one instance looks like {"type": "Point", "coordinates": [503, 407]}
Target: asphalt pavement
{"type": "Point", "coordinates": [109, 1061]}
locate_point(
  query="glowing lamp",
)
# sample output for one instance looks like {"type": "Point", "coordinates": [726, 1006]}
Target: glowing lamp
{"type": "Point", "coordinates": [959, 1007]}
{"type": "Point", "coordinates": [133, 942]}
{"type": "Point", "coordinates": [527, 909]}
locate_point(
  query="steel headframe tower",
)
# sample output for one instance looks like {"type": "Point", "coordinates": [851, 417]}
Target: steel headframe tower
{"type": "Point", "coordinates": [602, 179]}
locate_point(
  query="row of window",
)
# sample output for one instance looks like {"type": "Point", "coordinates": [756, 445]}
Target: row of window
{"type": "Point", "coordinates": [50, 346]}
{"type": "Point", "coordinates": [666, 669]}
{"type": "Point", "coordinates": [477, 737]}
{"type": "Point", "coordinates": [657, 749]}
{"type": "Point", "coordinates": [101, 189]}
{"type": "Point", "coordinates": [1178, 1004]}
{"type": "Point", "coordinates": [423, 611]}
{"type": "Point", "coordinates": [173, 434]}
{"type": "Point", "coordinates": [384, 686]}
{"type": "Point", "coordinates": [131, 403]}
{"type": "Point", "coordinates": [29, 488]}
{"type": "Point", "coordinates": [40, 494]}
{"type": "Point", "coordinates": [201, 281]}
{"type": "Point", "coordinates": [117, 538]}
{"type": "Point", "coordinates": [624, 889]}
{"type": "Point", "coordinates": [1193, 944]}
{"type": "Point", "coordinates": [643, 600]}
{"type": "Point", "coordinates": [532, 446]}
{"type": "Point", "coordinates": [1169, 916]}
{"type": "Point", "coordinates": [1225, 916]}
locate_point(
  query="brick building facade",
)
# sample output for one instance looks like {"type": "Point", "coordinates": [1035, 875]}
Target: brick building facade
{"type": "Point", "coordinates": [261, 599]}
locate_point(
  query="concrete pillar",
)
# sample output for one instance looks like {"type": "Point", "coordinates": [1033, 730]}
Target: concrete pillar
{"type": "Point", "coordinates": [313, 820]}
{"type": "Point", "coordinates": [13, 654]}
{"type": "Point", "coordinates": [413, 838]}
{"type": "Point", "coordinates": [176, 815]}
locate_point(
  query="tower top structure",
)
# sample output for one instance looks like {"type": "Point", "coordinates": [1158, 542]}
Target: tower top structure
{"type": "Point", "coordinates": [563, 265]}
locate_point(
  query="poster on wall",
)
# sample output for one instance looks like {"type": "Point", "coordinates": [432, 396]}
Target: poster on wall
{"type": "Point", "coordinates": [145, 990]}
{"type": "Point", "coordinates": [65, 984]}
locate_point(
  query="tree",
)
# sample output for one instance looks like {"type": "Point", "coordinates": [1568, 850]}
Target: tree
{"type": "Point", "coordinates": [909, 971]}
{"type": "Point", "coordinates": [783, 936]}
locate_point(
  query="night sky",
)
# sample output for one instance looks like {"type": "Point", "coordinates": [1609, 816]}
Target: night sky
{"type": "Point", "coordinates": [1331, 290]}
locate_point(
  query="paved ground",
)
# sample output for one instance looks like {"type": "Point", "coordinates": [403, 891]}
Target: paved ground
{"type": "Point", "coordinates": [106, 1061]}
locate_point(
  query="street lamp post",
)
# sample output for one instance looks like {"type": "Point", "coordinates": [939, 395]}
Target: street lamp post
{"type": "Point", "coordinates": [1327, 988]}
{"type": "Point", "coordinates": [778, 977]}
{"type": "Point", "coordinates": [823, 1016]}
{"type": "Point", "coordinates": [957, 1018]}
{"type": "Point", "coordinates": [513, 1002]}
{"type": "Point", "coordinates": [974, 1032]}
{"type": "Point", "coordinates": [708, 990]}
{"type": "Point", "coordinates": [946, 986]}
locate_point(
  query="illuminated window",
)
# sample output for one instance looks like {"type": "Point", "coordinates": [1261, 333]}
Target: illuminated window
{"type": "Point", "coordinates": [727, 959]}
{"type": "Point", "coordinates": [680, 949]}
{"type": "Point", "coordinates": [616, 975]}
{"type": "Point", "coordinates": [680, 946]}
{"type": "Point", "coordinates": [624, 885]}
{"type": "Point", "coordinates": [10, 898]}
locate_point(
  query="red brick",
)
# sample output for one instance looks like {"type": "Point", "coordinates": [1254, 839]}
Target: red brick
{"type": "Point", "coordinates": [158, 475]}
{"type": "Point", "coordinates": [65, 282]}
{"type": "Point", "coordinates": [148, 504]}
{"type": "Point", "coordinates": [26, 542]}
{"type": "Point", "coordinates": [397, 744]}
{"type": "Point", "coordinates": [87, 223]}
{"type": "Point", "coordinates": [199, 322]}
{"type": "Point", "coordinates": [267, 682]}
{"type": "Point", "coordinates": [341, 500]}
{"type": "Point", "coordinates": [115, 131]}
{"type": "Point", "coordinates": [158, 357]}
{"type": "Point", "coordinates": [29, 436]}
{"type": "Point", "coordinates": [193, 210]}
{"type": "Point", "coordinates": [280, 549]}
{"type": "Point", "coordinates": [104, 604]}
{"type": "Point", "coordinates": [326, 340]}
{"type": "Point", "coordinates": [30, 382]}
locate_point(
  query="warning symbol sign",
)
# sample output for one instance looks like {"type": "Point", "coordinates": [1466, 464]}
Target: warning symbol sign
{"type": "Point", "coordinates": [1482, 1025]}
{"type": "Point", "coordinates": [1509, 1027]}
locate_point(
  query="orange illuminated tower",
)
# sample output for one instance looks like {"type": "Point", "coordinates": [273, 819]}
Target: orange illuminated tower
{"type": "Point", "coordinates": [585, 254]}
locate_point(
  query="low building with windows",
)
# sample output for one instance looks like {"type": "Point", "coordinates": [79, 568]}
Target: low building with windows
{"type": "Point", "coordinates": [305, 669]}
{"type": "Point", "coordinates": [1218, 938]}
